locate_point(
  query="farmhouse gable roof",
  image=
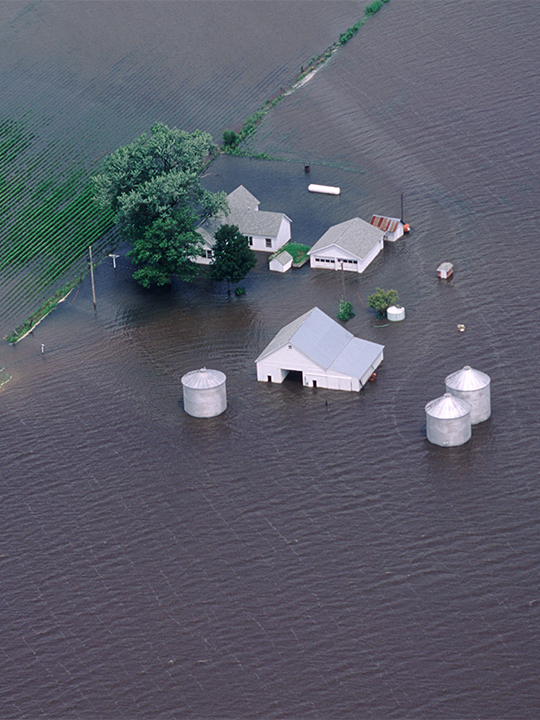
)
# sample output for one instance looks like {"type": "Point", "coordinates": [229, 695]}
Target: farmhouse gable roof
{"type": "Point", "coordinates": [245, 214]}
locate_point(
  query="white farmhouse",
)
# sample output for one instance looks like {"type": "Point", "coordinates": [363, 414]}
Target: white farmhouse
{"type": "Point", "coordinates": [266, 231]}
{"type": "Point", "coordinates": [327, 355]}
{"type": "Point", "coordinates": [393, 228]}
{"type": "Point", "coordinates": [350, 245]}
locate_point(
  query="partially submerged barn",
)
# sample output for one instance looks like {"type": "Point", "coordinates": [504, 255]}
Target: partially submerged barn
{"type": "Point", "coordinates": [266, 231]}
{"type": "Point", "coordinates": [325, 353]}
{"type": "Point", "coordinates": [351, 245]}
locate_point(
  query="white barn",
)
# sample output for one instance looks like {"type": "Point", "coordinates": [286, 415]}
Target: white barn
{"type": "Point", "coordinates": [392, 227]}
{"type": "Point", "coordinates": [351, 245]}
{"type": "Point", "coordinates": [327, 355]}
{"type": "Point", "coordinates": [266, 231]}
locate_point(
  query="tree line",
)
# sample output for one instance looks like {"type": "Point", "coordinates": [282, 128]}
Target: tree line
{"type": "Point", "coordinates": [153, 187]}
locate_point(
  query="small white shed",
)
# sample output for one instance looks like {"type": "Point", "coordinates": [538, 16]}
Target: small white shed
{"type": "Point", "coordinates": [445, 270]}
{"type": "Point", "coordinates": [393, 228]}
{"type": "Point", "coordinates": [325, 353]}
{"type": "Point", "coordinates": [281, 262]}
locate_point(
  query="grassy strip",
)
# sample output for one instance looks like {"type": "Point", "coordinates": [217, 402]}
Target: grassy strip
{"type": "Point", "coordinates": [297, 251]}
{"type": "Point", "coordinates": [4, 377]}
{"type": "Point", "coordinates": [232, 140]}
{"type": "Point", "coordinates": [29, 324]}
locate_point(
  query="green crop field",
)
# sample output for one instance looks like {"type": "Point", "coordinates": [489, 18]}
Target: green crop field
{"type": "Point", "coordinates": [48, 218]}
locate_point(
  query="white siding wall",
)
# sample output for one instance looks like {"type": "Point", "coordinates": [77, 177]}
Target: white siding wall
{"type": "Point", "coordinates": [278, 267]}
{"type": "Point", "coordinates": [258, 242]}
{"type": "Point", "coordinates": [393, 236]}
{"type": "Point", "coordinates": [284, 233]}
{"type": "Point", "coordinates": [283, 359]}
{"type": "Point", "coordinates": [331, 258]}
{"type": "Point", "coordinates": [276, 365]}
{"type": "Point", "coordinates": [375, 250]}
{"type": "Point", "coordinates": [365, 377]}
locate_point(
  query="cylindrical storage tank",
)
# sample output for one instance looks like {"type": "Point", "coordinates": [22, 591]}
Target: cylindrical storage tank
{"type": "Point", "coordinates": [395, 313]}
{"type": "Point", "coordinates": [205, 394]}
{"type": "Point", "coordinates": [474, 387]}
{"type": "Point", "coordinates": [448, 421]}
{"type": "Point", "coordinates": [324, 189]}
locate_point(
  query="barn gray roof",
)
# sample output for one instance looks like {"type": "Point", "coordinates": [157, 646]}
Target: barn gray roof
{"type": "Point", "coordinates": [327, 343]}
{"type": "Point", "coordinates": [356, 236]}
{"type": "Point", "coordinates": [244, 213]}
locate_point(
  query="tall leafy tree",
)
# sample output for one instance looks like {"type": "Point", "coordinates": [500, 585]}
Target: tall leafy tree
{"type": "Point", "coordinates": [147, 182]}
{"type": "Point", "coordinates": [233, 258]}
{"type": "Point", "coordinates": [167, 248]}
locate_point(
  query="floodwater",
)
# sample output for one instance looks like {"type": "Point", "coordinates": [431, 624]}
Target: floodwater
{"type": "Point", "coordinates": [307, 554]}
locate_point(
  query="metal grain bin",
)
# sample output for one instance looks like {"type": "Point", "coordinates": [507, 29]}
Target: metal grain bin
{"type": "Point", "coordinates": [205, 393]}
{"type": "Point", "coordinates": [474, 387]}
{"type": "Point", "coordinates": [448, 421]}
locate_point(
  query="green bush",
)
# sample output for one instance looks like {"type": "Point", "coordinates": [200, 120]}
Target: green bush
{"type": "Point", "coordinates": [375, 6]}
{"type": "Point", "coordinates": [230, 139]}
{"type": "Point", "coordinates": [382, 299]}
{"type": "Point", "coordinates": [345, 311]}
{"type": "Point", "coordinates": [239, 291]}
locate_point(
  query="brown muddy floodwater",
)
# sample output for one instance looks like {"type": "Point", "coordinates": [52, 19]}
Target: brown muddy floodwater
{"type": "Point", "coordinates": [307, 554]}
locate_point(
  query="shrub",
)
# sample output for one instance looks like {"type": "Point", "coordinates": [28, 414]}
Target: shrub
{"type": "Point", "coordinates": [239, 291]}
{"type": "Point", "coordinates": [345, 311]}
{"type": "Point", "coordinates": [382, 299]}
{"type": "Point", "coordinates": [230, 139]}
{"type": "Point", "coordinates": [375, 6]}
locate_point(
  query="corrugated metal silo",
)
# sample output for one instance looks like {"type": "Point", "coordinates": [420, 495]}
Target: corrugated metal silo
{"type": "Point", "coordinates": [448, 421]}
{"type": "Point", "coordinates": [205, 393]}
{"type": "Point", "coordinates": [474, 387]}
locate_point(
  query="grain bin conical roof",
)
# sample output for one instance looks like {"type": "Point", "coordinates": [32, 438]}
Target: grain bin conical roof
{"type": "Point", "coordinates": [467, 380]}
{"type": "Point", "coordinates": [203, 379]}
{"type": "Point", "coordinates": [448, 407]}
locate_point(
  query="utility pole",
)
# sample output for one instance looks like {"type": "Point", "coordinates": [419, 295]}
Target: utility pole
{"type": "Point", "coordinates": [92, 277]}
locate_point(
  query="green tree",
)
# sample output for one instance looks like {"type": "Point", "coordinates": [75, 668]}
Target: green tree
{"type": "Point", "coordinates": [345, 311]}
{"type": "Point", "coordinates": [382, 299]}
{"type": "Point", "coordinates": [166, 248]}
{"type": "Point", "coordinates": [233, 258]}
{"type": "Point", "coordinates": [230, 139]}
{"type": "Point", "coordinates": [152, 178]}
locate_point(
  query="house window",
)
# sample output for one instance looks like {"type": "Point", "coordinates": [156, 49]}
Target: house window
{"type": "Point", "coordinates": [268, 242]}
{"type": "Point", "coordinates": [209, 254]}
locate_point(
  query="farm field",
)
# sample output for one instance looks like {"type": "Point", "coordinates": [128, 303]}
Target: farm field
{"type": "Point", "coordinates": [78, 80]}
